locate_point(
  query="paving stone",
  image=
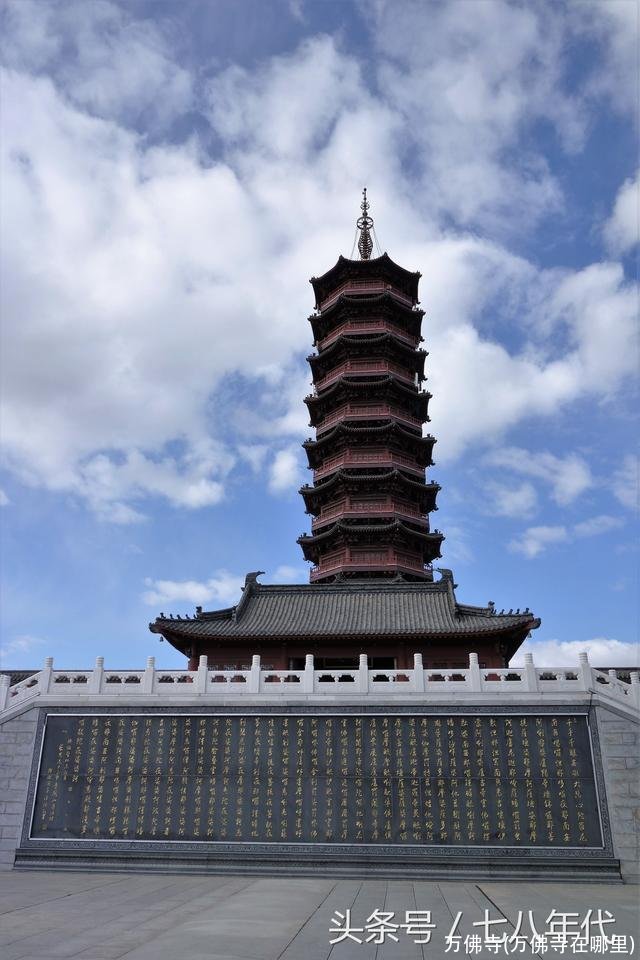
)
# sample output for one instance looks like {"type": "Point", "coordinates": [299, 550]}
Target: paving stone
{"type": "Point", "coordinates": [94, 916]}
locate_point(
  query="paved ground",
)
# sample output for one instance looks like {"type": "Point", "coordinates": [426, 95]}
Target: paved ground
{"type": "Point", "coordinates": [101, 916]}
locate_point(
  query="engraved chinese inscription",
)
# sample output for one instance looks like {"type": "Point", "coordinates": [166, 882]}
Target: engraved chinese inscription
{"type": "Point", "coordinates": [456, 780]}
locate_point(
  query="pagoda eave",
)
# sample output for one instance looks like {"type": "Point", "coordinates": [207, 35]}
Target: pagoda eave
{"type": "Point", "coordinates": [342, 436]}
{"type": "Point", "coordinates": [352, 345]}
{"type": "Point", "coordinates": [397, 533]}
{"type": "Point", "coordinates": [380, 386]}
{"type": "Point", "coordinates": [378, 267]}
{"type": "Point", "coordinates": [353, 309]}
{"type": "Point", "coordinates": [423, 494]}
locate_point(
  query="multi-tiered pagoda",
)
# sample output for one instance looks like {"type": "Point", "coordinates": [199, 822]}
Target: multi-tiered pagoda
{"type": "Point", "coordinates": [369, 499]}
{"type": "Point", "coordinates": [372, 585]}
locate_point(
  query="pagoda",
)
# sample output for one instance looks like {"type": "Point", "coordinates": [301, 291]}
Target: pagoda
{"type": "Point", "coordinates": [369, 499]}
{"type": "Point", "coordinates": [372, 587]}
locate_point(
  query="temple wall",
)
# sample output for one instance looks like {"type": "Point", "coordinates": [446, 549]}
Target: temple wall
{"type": "Point", "coordinates": [17, 737]}
{"type": "Point", "coordinates": [615, 732]}
{"type": "Point", "coordinates": [278, 655]}
{"type": "Point", "coordinates": [620, 747]}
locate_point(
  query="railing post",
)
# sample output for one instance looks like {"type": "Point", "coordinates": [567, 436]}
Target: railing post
{"type": "Point", "coordinates": [44, 681]}
{"type": "Point", "coordinates": [585, 671]}
{"type": "Point", "coordinates": [418, 673]}
{"type": "Point", "coordinates": [635, 688]}
{"type": "Point", "coordinates": [307, 680]}
{"type": "Point", "coordinates": [254, 677]}
{"type": "Point", "coordinates": [475, 679]}
{"type": "Point", "coordinates": [95, 684]}
{"type": "Point", "coordinates": [363, 674]}
{"type": "Point", "coordinates": [530, 675]}
{"type": "Point", "coordinates": [4, 691]}
{"type": "Point", "coordinates": [201, 676]}
{"type": "Point", "coordinates": [147, 680]}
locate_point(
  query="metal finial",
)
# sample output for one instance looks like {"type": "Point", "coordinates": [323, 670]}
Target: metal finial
{"type": "Point", "coordinates": [364, 225]}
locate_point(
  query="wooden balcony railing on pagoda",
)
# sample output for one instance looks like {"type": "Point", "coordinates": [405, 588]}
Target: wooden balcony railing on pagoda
{"type": "Point", "coordinates": [362, 508]}
{"type": "Point", "coordinates": [373, 458]}
{"type": "Point", "coordinates": [371, 561]}
{"type": "Point", "coordinates": [370, 288]}
{"type": "Point", "coordinates": [371, 411]}
{"type": "Point", "coordinates": [363, 367]}
{"type": "Point", "coordinates": [369, 327]}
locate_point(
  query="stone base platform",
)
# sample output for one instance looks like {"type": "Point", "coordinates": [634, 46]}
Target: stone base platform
{"type": "Point", "coordinates": [502, 864]}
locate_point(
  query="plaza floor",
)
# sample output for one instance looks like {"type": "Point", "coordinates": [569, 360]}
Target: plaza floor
{"type": "Point", "coordinates": [102, 916]}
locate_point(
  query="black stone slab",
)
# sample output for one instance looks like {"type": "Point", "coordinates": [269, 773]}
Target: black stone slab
{"type": "Point", "coordinates": [451, 782]}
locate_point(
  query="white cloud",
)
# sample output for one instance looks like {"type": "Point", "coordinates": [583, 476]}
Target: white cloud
{"type": "Point", "coordinates": [614, 25]}
{"type": "Point", "coordinates": [19, 648]}
{"type": "Point", "coordinates": [535, 540]}
{"type": "Point", "coordinates": [602, 652]}
{"type": "Point", "coordinates": [599, 313]}
{"type": "Point", "coordinates": [284, 471]}
{"type": "Point", "coordinates": [186, 485]}
{"type": "Point", "coordinates": [468, 96]}
{"type": "Point", "coordinates": [288, 574]}
{"type": "Point", "coordinates": [246, 108]}
{"type": "Point", "coordinates": [579, 332]}
{"type": "Point", "coordinates": [101, 57]}
{"type": "Point", "coordinates": [222, 587]}
{"type": "Point", "coordinates": [254, 454]}
{"type": "Point", "coordinates": [140, 348]}
{"type": "Point", "coordinates": [4, 499]}
{"type": "Point", "coordinates": [626, 482]}
{"type": "Point", "coordinates": [597, 525]}
{"type": "Point", "coordinates": [567, 476]}
{"type": "Point", "coordinates": [520, 501]}
{"type": "Point", "coordinates": [622, 229]}
{"type": "Point", "coordinates": [296, 9]}
{"type": "Point", "coordinates": [111, 511]}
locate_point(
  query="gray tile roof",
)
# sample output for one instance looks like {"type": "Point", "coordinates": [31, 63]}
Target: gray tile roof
{"type": "Point", "coordinates": [347, 609]}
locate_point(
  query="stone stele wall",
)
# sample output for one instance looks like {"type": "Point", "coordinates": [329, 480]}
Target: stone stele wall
{"type": "Point", "coordinates": [17, 737]}
{"type": "Point", "coordinates": [619, 742]}
{"type": "Point", "coordinates": [620, 747]}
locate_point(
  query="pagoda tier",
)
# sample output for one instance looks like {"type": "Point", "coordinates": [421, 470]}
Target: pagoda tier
{"type": "Point", "coordinates": [372, 488]}
{"type": "Point", "coordinates": [369, 498]}
{"type": "Point", "coordinates": [362, 536]}
{"type": "Point", "coordinates": [367, 398]}
{"type": "Point", "coordinates": [366, 315]}
{"type": "Point", "coordinates": [353, 348]}
{"type": "Point", "coordinates": [364, 278]}
{"type": "Point", "coordinates": [358, 438]}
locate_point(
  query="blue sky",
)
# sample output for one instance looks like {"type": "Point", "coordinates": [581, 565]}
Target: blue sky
{"type": "Point", "coordinates": [173, 173]}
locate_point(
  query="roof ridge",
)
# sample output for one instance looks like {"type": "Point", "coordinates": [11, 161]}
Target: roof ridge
{"type": "Point", "coordinates": [359, 586]}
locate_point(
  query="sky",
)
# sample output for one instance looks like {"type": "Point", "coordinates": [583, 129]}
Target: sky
{"type": "Point", "coordinates": [173, 173]}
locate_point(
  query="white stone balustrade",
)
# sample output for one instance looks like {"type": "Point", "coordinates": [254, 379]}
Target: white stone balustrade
{"type": "Point", "coordinates": [475, 683]}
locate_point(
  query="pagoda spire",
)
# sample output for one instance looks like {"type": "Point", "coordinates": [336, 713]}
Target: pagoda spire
{"type": "Point", "coordinates": [364, 225]}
